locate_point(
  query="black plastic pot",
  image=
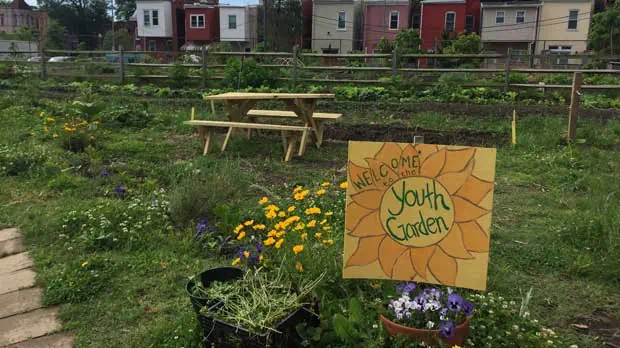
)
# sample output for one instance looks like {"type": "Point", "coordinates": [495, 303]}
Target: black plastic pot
{"type": "Point", "coordinates": [220, 274]}
{"type": "Point", "coordinates": [223, 334]}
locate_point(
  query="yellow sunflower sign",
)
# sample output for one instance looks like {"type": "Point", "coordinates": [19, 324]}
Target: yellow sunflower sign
{"type": "Point", "coordinates": [419, 212]}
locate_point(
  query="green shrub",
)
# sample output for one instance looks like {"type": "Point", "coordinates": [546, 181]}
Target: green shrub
{"type": "Point", "coordinates": [360, 93]}
{"type": "Point", "coordinates": [22, 159]}
{"type": "Point", "coordinates": [124, 116]}
{"type": "Point", "coordinates": [246, 74]}
{"type": "Point", "coordinates": [178, 74]}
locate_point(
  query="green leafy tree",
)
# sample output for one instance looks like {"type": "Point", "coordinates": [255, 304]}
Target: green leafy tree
{"type": "Point", "coordinates": [124, 9]}
{"type": "Point", "coordinates": [407, 41]}
{"type": "Point", "coordinates": [22, 34]}
{"type": "Point", "coordinates": [120, 39]}
{"type": "Point", "coordinates": [464, 44]}
{"type": "Point", "coordinates": [84, 18]}
{"type": "Point", "coordinates": [605, 31]}
{"type": "Point", "coordinates": [55, 36]}
{"type": "Point", "coordinates": [384, 46]}
{"type": "Point", "coordinates": [284, 24]}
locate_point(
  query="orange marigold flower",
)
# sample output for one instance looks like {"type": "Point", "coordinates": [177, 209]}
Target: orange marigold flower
{"type": "Point", "coordinates": [279, 243]}
{"type": "Point", "coordinates": [299, 267]}
{"type": "Point", "coordinates": [298, 248]}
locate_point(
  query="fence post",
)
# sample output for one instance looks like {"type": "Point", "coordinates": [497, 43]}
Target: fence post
{"type": "Point", "coordinates": [122, 70]}
{"type": "Point", "coordinates": [295, 52]}
{"type": "Point", "coordinates": [507, 69]}
{"type": "Point", "coordinates": [204, 66]}
{"type": "Point", "coordinates": [394, 64]}
{"type": "Point", "coordinates": [573, 110]}
{"type": "Point", "coordinates": [43, 65]}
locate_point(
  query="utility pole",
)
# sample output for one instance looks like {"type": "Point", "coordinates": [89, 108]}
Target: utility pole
{"type": "Point", "coordinates": [265, 24]}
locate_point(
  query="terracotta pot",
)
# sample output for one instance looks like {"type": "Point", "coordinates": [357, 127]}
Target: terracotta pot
{"type": "Point", "coordinates": [428, 336]}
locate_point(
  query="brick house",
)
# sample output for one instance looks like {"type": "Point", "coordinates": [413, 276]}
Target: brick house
{"type": "Point", "coordinates": [202, 23]}
{"type": "Point", "coordinates": [445, 19]}
{"type": "Point", "coordinates": [383, 19]}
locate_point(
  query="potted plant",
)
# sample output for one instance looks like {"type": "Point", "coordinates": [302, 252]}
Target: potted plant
{"type": "Point", "coordinates": [428, 315]}
{"type": "Point", "coordinates": [197, 287]}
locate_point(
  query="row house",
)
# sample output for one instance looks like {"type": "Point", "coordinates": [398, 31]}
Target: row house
{"type": "Point", "coordinates": [335, 26]}
{"type": "Point", "coordinates": [18, 14]}
{"type": "Point", "coordinates": [238, 25]}
{"type": "Point", "coordinates": [202, 24]}
{"type": "Point", "coordinates": [445, 19]}
{"type": "Point", "coordinates": [383, 19]}
{"type": "Point", "coordinates": [161, 25]}
{"type": "Point", "coordinates": [509, 25]}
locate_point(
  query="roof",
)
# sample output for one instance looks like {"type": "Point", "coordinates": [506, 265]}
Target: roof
{"type": "Point", "coordinates": [20, 5]}
{"type": "Point", "coordinates": [514, 3]}
{"type": "Point", "coordinates": [385, 2]}
{"type": "Point", "coordinates": [443, 2]}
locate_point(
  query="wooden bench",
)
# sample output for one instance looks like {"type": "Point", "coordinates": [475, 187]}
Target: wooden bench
{"type": "Point", "coordinates": [289, 134]}
{"type": "Point", "coordinates": [318, 117]}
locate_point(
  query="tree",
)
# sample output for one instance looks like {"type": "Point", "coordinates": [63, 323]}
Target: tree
{"type": "Point", "coordinates": [384, 46]}
{"type": "Point", "coordinates": [22, 34]}
{"type": "Point", "coordinates": [605, 31]}
{"type": "Point", "coordinates": [124, 9]}
{"type": "Point", "coordinates": [464, 44]}
{"type": "Point", "coordinates": [84, 18]}
{"type": "Point", "coordinates": [55, 36]}
{"type": "Point", "coordinates": [120, 38]}
{"type": "Point", "coordinates": [407, 41]}
{"type": "Point", "coordinates": [284, 24]}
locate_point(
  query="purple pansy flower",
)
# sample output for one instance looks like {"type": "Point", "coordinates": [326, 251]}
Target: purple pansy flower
{"type": "Point", "coordinates": [105, 172]}
{"type": "Point", "coordinates": [120, 190]}
{"type": "Point", "coordinates": [447, 329]}
{"type": "Point", "coordinates": [259, 247]}
{"type": "Point", "coordinates": [241, 253]}
{"type": "Point", "coordinates": [253, 260]}
{"type": "Point", "coordinates": [455, 302]}
{"type": "Point", "coordinates": [467, 308]}
{"type": "Point", "coordinates": [201, 228]}
{"type": "Point", "coordinates": [420, 300]}
{"type": "Point", "coordinates": [432, 294]}
{"type": "Point", "coordinates": [405, 287]}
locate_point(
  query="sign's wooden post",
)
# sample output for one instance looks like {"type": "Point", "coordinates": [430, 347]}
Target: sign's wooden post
{"type": "Point", "coordinates": [507, 69]}
{"type": "Point", "coordinates": [204, 66]}
{"type": "Point", "coordinates": [122, 70]}
{"type": "Point", "coordinates": [394, 64]}
{"type": "Point", "coordinates": [514, 127]}
{"type": "Point", "coordinates": [43, 64]}
{"type": "Point", "coordinates": [573, 111]}
{"type": "Point", "coordinates": [418, 139]}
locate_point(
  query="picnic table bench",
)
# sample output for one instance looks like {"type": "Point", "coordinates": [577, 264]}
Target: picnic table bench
{"type": "Point", "coordinates": [242, 116]}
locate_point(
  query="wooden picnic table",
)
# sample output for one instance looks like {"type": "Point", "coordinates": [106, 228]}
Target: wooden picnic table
{"type": "Point", "coordinates": [238, 104]}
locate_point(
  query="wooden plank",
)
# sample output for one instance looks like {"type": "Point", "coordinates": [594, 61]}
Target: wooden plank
{"type": "Point", "coordinates": [17, 280]}
{"type": "Point", "coordinates": [18, 302]}
{"type": "Point", "coordinates": [573, 110]}
{"type": "Point", "coordinates": [15, 263]}
{"type": "Point", "coordinates": [292, 140]}
{"type": "Point", "coordinates": [226, 124]}
{"type": "Point", "coordinates": [268, 96]}
{"type": "Point", "coordinates": [29, 325]}
{"type": "Point", "coordinates": [290, 114]}
{"type": "Point", "coordinates": [228, 135]}
{"type": "Point", "coordinates": [208, 141]}
{"type": "Point", "coordinates": [61, 340]}
{"type": "Point", "coordinates": [9, 233]}
{"type": "Point", "coordinates": [11, 246]}
{"type": "Point", "coordinates": [304, 141]}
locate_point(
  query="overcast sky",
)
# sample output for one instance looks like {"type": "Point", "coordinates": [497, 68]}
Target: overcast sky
{"type": "Point", "coordinates": [230, 2]}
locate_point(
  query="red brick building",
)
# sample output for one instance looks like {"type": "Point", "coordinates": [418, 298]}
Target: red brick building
{"type": "Point", "coordinates": [445, 19]}
{"type": "Point", "coordinates": [202, 23]}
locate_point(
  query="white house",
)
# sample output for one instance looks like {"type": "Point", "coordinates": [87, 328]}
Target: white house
{"type": "Point", "coordinates": [155, 25]}
{"type": "Point", "coordinates": [238, 25]}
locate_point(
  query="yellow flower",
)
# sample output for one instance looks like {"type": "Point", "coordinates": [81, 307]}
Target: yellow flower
{"type": "Point", "coordinates": [326, 228]}
{"type": "Point", "coordinates": [279, 225]}
{"type": "Point", "coordinates": [313, 210]}
{"type": "Point", "coordinates": [325, 184]}
{"type": "Point", "coordinates": [323, 222]}
{"type": "Point", "coordinates": [270, 214]}
{"type": "Point", "coordinates": [301, 195]}
{"type": "Point", "coordinates": [344, 185]}
{"type": "Point", "coordinates": [55, 135]}
{"type": "Point", "coordinates": [318, 235]}
{"type": "Point", "coordinates": [85, 263]}
{"type": "Point", "coordinates": [45, 129]}
{"type": "Point", "coordinates": [259, 227]}
{"type": "Point", "coordinates": [249, 223]}
{"type": "Point", "coordinates": [312, 223]}
{"type": "Point", "coordinates": [260, 258]}
{"type": "Point", "coordinates": [42, 114]}
{"type": "Point", "coordinates": [269, 241]}
{"type": "Point", "coordinates": [238, 228]}
{"type": "Point", "coordinates": [279, 243]}
{"type": "Point", "coordinates": [320, 192]}
{"type": "Point", "coordinates": [291, 209]}
{"type": "Point", "coordinates": [281, 214]}
{"type": "Point", "coordinates": [298, 248]}
{"type": "Point", "coordinates": [329, 213]}
{"type": "Point", "coordinates": [297, 189]}
{"type": "Point", "coordinates": [304, 236]}
{"type": "Point", "coordinates": [272, 207]}
{"type": "Point", "coordinates": [263, 200]}
{"type": "Point", "coordinates": [241, 235]}
{"type": "Point", "coordinates": [236, 261]}
{"type": "Point", "coordinates": [375, 285]}
{"type": "Point", "coordinates": [299, 267]}
{"type": "Point", "coordinates": [280, 234]}
{"type": "Point", "coordinates": [271, 233]}
{"type": "Point", "coordinates": [246, 254]}
{"type": "Point", "coordinates": [328, 241]}
{"type": "Point", "coordinates": [300, 226]}
{"type": "Point", "coordinates": [50, 119]}
{"type": "Point", "coordinates": [456, 346]}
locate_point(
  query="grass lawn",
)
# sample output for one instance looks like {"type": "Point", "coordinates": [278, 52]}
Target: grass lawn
{"type": "Point", "coordinates": [556, 222]}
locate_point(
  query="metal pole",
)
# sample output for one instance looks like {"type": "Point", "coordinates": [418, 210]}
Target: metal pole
{"type": "Point", "coordinates": [122, 70]}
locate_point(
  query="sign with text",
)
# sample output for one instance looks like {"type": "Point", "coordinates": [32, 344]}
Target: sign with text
{"type": "Point", "coordinates": [419, 212]}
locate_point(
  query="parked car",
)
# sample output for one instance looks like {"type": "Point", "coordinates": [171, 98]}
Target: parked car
{"type": "Point", "coordinates": [34, 59]}
{"type": "Point", "coordinates": [61, 59]}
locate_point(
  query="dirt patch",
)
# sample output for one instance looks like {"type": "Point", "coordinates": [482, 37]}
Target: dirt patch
{"type": "Point", "coordinates": [404, 133]}
{"type": "Point", "coordinates": [601, 325]}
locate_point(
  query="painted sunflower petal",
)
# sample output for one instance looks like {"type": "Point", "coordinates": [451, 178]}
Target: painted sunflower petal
{"type": "Point", "coordinates": [389, 252]}
{"type": "Point", "coordinates": [453, 245]}
{"type": "Point", "coordinates": [443, 267]}
{"type": "Point", "coordinates": [425, 150]}
{"type": "Point", "coordinates": [354, 215]}
{"type": "Point", "coordinates": [474, 237]}
{"type": "Point", "coordinates": [465, 210]}
{"type": "Point", "coordinates": [403, 268]}
{"type": "Point", "coordinates": [367, 251]}
{"type": "Point", "coordinates": [385, 175]}
{"type": "Point", "coordinates": [455, 180]}
{"type": "Point", "coordinates": [432, 166]}
{"type": "Point", "coordinates": [369, 225]}
{"type": "Point", "coordinates": [388, 152]}
{"type": "Point", "coordinates": [420, 257]}
{"type": "Point", "coordinates": [475, 189]}
{"type": "Point", "coordinates": [370, 199]}
{"type": "Point", "coordinates": [409, 162]}
{"type": "Point", "coordinates": [456, 160]}
{"type": "Point", "coordinates": [360, 177]}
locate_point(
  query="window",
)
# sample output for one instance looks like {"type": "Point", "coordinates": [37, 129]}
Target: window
{"type": "Point", "coordinates": [393, 20]}
{"type": "Point", "coordinates": [155, 15]}
{"type": "Point", "coordinates": [572, 19]}
{"type": "Point", "coordinates": [449, 21]}
{"type": "Point", "coordinates": [469, 23]}
{"type": "Point", "coordinates": [342, 20]}
{"type": "Point", "coordinates": [562, 52]}
{"type": "Point", "coordinates": [197, 21]}
{"type": "Point", "coordinates": [520, 19]}
{"type": "Point", "coordinates": [499, 17]}
{"type": "Point", "coordinates": [147, 18]}
{"type": "Point", "coordinates": [232, 22]}
{"type": "Point", "coordinates": [152, 45]}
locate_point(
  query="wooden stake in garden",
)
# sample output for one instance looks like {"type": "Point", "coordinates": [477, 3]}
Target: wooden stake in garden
{"type": "Point", "coordinates": [514, 127]}
{"type": "Point", "coordinates": [193, 113]}
{"type": "Point", "coordinates": [573, 110]}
